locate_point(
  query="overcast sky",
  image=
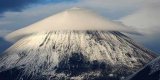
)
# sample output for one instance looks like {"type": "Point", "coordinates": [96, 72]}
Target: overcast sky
{"type": "Point", "coordinates": [140, 14]}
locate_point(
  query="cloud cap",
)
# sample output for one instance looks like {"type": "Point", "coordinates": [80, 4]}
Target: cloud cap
{"type": "Point", "coordinates": [71, 19]}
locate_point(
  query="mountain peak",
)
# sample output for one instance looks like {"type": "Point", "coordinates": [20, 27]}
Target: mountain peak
{"type": "Point", "coordinates": [71, 19]}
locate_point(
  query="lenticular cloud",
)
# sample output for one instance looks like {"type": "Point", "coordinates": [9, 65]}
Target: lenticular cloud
{"type": "Point", "coordinates": [71, 19]}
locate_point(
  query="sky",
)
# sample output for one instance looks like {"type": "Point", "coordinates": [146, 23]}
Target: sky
{"type": "Point", "coordinates": [143, 15]}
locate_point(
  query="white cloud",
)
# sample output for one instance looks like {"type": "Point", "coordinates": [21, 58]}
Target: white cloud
{"type": "Point", "coordinates": [146, 19]}
{"type": "Point", "coordinates": [141, 14]}
{"type": "Point", "coordinates": [16, 20]}
{"type": "Point", "coordinates": [109, 8]}
{"type": "Point", "coordinates": [71, 19]}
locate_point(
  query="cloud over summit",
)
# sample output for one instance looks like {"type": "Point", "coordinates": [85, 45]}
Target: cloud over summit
{"type": "Point", "coordinates": [71, 19]}
{"type": "Point", "coordinates": [16, 16]}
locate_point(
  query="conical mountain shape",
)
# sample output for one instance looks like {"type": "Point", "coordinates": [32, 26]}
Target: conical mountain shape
{"type": "Point", "coordinates": [78, 54]}
{"type": "Point", "coordinates": [71, 19]}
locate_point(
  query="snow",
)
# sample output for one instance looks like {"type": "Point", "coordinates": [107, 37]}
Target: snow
{"type": "Point", "coordinates": [43, 52]}
{"type": "Point", "coordinates": [71, 19]}
{"type": "Point", "coordinates": [74, 44]}
{"type": "Point", "coordinates": [149, 72]}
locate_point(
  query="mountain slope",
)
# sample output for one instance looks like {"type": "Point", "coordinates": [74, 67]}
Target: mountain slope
{"type": "Point", "coordinates": [150, 72]}
{"type": "Point", "coordinates": [73, 55]}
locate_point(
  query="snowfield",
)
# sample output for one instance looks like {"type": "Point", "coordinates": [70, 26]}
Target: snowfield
{"type": "Point", "coordinates": [75, 54]}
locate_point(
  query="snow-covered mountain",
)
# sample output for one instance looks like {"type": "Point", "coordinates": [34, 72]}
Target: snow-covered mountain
{"type": "Point", "coordinates": [76, 53]}
{"type": "Point", "coordinates": [150, 72]}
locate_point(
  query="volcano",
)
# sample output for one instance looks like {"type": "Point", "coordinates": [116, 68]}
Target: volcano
{"type": "Point", "coordinates": [75, 44]}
